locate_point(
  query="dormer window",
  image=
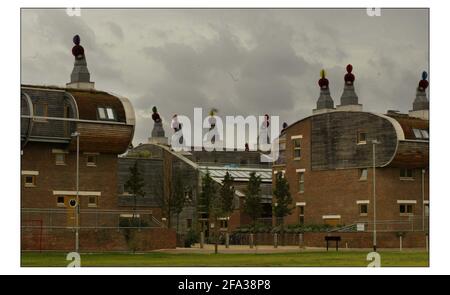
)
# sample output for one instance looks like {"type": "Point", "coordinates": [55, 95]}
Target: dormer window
{"type": "Point", "coordinates": [106, 113]}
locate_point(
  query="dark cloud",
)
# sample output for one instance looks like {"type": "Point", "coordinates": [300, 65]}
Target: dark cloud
{"type": "Point", "coordinates": [239, 61]}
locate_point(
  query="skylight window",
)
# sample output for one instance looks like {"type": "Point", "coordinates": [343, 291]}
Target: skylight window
{"type": "Point", "coordinates": [417, 133]}
{"type": "Point", "coordinates": [425, 134]}
{"type": "Point", "coordinates": [106, 113]}
{"type": "Point", "coordinates": [421, 133]}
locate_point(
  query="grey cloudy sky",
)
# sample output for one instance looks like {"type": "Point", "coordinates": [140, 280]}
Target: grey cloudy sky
{"type": "Point", "coordinates": [239, 61]}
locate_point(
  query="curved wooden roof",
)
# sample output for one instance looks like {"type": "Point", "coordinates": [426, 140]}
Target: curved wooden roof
{"type": "Point", "coordinates": [89, 101]}
{"type": "Point", "coordinates": [96, 135]}
{"type": "Point", "coordinates": [409, 123]}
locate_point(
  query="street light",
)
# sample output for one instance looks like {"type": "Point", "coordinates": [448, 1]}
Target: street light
{"type": "Point", "coordinates": [374, 142]}
{"type": "Point", "coordinates": [77, 207]}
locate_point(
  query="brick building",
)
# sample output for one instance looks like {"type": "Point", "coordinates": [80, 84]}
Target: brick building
{"type": "Point", "coordinates": [53, 121]}
{"type": "Point", "coordinates": [161, 165]}
{"type": "Point", "coordinates": [328, 161]}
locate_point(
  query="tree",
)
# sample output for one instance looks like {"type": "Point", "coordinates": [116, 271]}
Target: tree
{"type": "Point", "coordinates": [178, 199]}
{"type": "Point", "coordinates": [209, 201]}
{"type": "Point", "coordinates": [135, 184]}
{"type": "Point", "coordinates": [252, 204]}
{"type": "Point", "coordinates": [283, 200]}
{"type": "Point", "coordinates": [163, 201]}
{"type": "Point", "coordinates": [227, 193]}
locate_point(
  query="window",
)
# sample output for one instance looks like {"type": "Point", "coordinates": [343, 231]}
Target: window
{"type": "Point", "coordinates": [110, 113]}
{"type": "Point", "coordinates": [424, 134]}
{"type": "Point", "coordinates": [60, 202]}
{"type": "Point", "coordinates": [421, 133]}
{"type": "Point", "coordinates": [189, 223]}
{"type": "Point", "coordinates": [297, 148]}
{"type": "Point", "coordinates": [363, 174]}
{"type": "Point", "coordinates": [106, 113]}
{"type": "Point", "coordinates": [188, 194]}
{"type": "Point", "coordinates": [301, 215]}
{"type": "Point", "coordinates": [406, 209]}
{"type": "Point", "coordinates": [301, 182]}
{"type": "Point", "coordinates": [224, 223]}
{"type": "Point", "coordinates": [363, 209]}
{"type": "Point", "coordinates": [427, 209]}
{"type": "Point", "coordinates": [101, 113]}
{"type": "Point", "coordinates": [60, 159]}
{"type": "Point", "coordinates": [40, 109]}
{"type": "Point", "coordinates": [362, 137]}
{"type": "Point", "coordinates": [406, 173]}
{"type": "Point", "coordinates": [91, 160]}
{"type": "Point", "coordinates": [30, 180]}
{"type": "Point", "coordinates": [92, 201]}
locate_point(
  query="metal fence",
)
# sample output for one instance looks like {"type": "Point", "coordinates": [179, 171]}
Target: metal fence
{"type": "Point", "coordinates": [65, 218]}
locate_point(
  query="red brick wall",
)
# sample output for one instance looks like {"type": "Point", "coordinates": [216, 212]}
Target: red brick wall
{"type": "Point", "coordinates": [39, 157]}
{"type": "Point", "coordinates": [102, 240]}
{"type": "Point", "coordinates": [335, 192]}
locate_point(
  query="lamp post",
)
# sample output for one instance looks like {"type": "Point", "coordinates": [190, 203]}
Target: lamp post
{"type": "Point", "coordinates": [374, 142]}
{"type": "Point", "coordinates": [77, 207]}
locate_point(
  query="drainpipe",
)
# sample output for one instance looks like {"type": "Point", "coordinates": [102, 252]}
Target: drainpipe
{"type": "Point", "coordinates": [423, 199]}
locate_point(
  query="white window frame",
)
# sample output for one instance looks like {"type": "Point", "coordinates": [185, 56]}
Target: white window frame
{"type": "Point", "coordinates": [358, 140]}
{"type": "Point", "coordinates": [110, 113]}
{"type": "Point", "coordinates": [295, 148]}
{"type": "Point", "coordinates": [360, 211]}
{"type": "Point", "coordinates": [417, 133]}
{"type": "Point", "coordinates": [425, 134]}
{"type": "Point", "coordinates": [361, 174]}
{"type": "Point", "coordinates": [58, 204]}
{"type": "Point", "coordinates": [91, 164]}
{"type": "Point", "coordinates": [30, 184]}
{"type": "Point", "coordinates": [102, 113]}
{"type": "Point", "coordinates": [407, 177]}
{"type": "Point", "coordinates": [93, 205]}
{"type": "Point", "coordinates": [63, 162]}
{"type": "Point", "coordinates": [301, 182]}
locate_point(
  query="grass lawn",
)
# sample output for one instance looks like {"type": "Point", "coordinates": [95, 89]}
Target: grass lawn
{"type": "Point", "coordinates": [388, 258]}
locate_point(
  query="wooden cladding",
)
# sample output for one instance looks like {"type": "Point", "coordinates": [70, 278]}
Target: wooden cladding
{"type": "Point", "coordinates": [103, 138]}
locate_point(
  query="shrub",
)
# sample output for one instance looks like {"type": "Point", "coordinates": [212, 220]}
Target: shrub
{"type": "Point", "coordinates": [190, 238]}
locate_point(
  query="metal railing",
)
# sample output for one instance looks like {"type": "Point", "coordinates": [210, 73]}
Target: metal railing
{"type": "Point", "coordinates": [94, 219]}
{"type": "Point", "coordinates": [408, 224]}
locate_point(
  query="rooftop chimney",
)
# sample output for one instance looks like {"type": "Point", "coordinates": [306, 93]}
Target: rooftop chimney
{"type": "Point", "coordinates": [80, 77]}
{"type": "Point", "coordinates": [349, 99]}
{"type": "Point", "coordinates": [158, 134]}
{"type": "Point", "coordinates": [421, 104]}
{"type": "Point", "coordinates": [325, 103]}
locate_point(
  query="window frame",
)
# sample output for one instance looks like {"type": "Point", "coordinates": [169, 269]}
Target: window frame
{"type": "Point", "coordinates": [106, 111]}
{"type": "Point", "coordinates": [417, 133]}
{"type": "Point", "coordinates": [301, 182]}
{"type": "Point", "coordinates": [360, 174]}
{"type": "Point", "coordinates": [425, 134]}
{"type": "Point", "coordinates": [358, 137]}
{"type": "Point", "coordinates": [406, 211]}
{"type": "Point", "coordinates": [45, 105]}
{"type": "Point", "coordinates": [32, 183]}
{"type": "Point", "coordinates": [91, 163]}
{"type": "Point", "coordinates": [90, 204]}
{"type": "Point", "coordinates": [360, 206]}
{"type": "Point", "coordinates": [301, 214]}
{"type": "Point", "coordinates": [406, 177]}
{"type": "Point", "coordinates": [60, 163]}
{"type": "Point", "coordinates": [296, 148]}
{"type": "Point", "coordinates": [60, 204]}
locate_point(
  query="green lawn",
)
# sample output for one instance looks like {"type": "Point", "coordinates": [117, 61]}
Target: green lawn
{"type": "Point", "coordinates": [388, 258]}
